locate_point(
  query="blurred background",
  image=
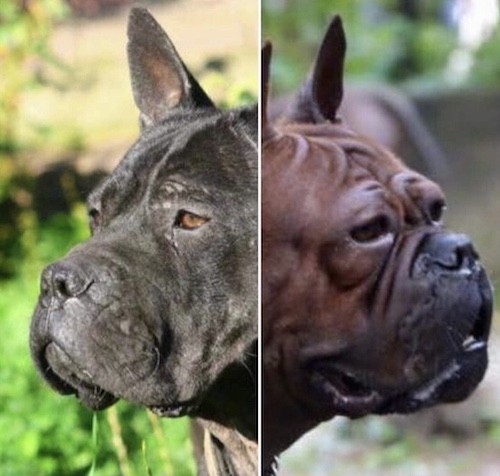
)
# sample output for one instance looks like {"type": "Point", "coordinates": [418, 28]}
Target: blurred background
{"type": "Point", "coordinates": [66, 118]}
{"type": "Point", "coordinates": [423, 76]}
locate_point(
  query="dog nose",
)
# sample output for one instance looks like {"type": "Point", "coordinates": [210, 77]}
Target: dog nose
{"type": "Point", "coordinates": [63, 280]}
{"type": "Point", "coordinates": [451, 251]}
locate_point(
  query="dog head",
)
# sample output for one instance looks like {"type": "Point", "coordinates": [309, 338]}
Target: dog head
{"type": "Point", "coordinates": [162, 298]}
{"type": "Point", "coordinates": [369, 304]}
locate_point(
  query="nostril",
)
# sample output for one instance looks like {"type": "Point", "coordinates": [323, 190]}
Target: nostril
{"type": "Point", "coordinates": [460, 257]}
{"type": "Point", "coordinates": [466, 249]}
{"type": "Point", "coordinates": [61, 287]}
{"type": "Point", "coordinates": [466, 255]}
{"type": "Point", "coordinates": [436, 210]}
{"type": "Point", "coordinates": [63, 281]}
{"type": "Point", "coordinates": [450, 251]}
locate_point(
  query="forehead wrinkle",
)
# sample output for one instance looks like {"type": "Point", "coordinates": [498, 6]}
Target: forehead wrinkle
{"type": "Point", "coordinates": [177, 188]}
{"type": "Point", "coordinates": [313, 153]}
{"type": "Point", "coordinates": [368, 156]}
{"type": "Point", "coordinates": [333, 156]}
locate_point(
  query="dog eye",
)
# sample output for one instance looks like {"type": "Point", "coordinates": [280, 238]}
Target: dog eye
{"type": "Point", "coordinates": [189, 221]}
{"type": "Point", "coordinates": [371, 231]}
{"type": "Point", "coordinates": [94, 219]}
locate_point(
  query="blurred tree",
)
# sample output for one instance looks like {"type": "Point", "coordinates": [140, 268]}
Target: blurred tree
{"type": "Point", "coordinates": [25, 58]}
{"type": "Point", "coordinates": [409, 8]}
{"type": "Point", "coordinates": [389, 40]}
{"type": "Point", "coordinates": [486, 70]}
{"type": "Point", "coordinates": [96, 7]}
{"type": "Point", "coordinates": [25, 30]}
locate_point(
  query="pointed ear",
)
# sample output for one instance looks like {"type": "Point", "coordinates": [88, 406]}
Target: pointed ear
{"type": "Point", "coordinates": [321, 95]}
{"type": "Point", "coordinates": [265, 88]}
{"type": "Point", "coordinates": [160, 80]}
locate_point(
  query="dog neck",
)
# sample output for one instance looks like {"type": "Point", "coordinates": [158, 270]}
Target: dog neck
{"type": "Point", "coordinates": [229, 414]}
{"type": "Point", "coordinates": [285, 421]}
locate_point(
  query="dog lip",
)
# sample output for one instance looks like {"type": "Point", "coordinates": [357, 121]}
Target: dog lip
{"type": "Point", "coordinates": [482, 325]}
{"type": "Point", "coordinates": [174, 410]}
{"type": "Point", "coordinates": [477, 337]}
{"type": "Point", "coordinates": [51, 377]}
{"type": "Point", "coordinates": [452, 383]}
{"type": "Point", "coordinates": [322, 351]}
{"type": "Point", "coordinates": [69, 382]}
{"type": "Point", "coordinates": [427, 390]}
{"type": "Point", "coordinates": [342, 389]}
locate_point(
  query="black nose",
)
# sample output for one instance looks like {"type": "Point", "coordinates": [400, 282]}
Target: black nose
{"type": "Point", "coordinates": [450, 251]}
{"type": "Point", "coordinates": [63, 280]}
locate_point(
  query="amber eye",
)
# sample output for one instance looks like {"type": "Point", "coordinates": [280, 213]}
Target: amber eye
{"type": "Point", "coordinates": [189, 221]}
{"type": "Point", "coordinates": [371, 231]}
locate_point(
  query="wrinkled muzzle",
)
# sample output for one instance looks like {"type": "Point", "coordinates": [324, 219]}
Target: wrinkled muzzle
{"type": "Point", "coordinates": [430, 321]}
{"type": "Point", "coordinates": [89, 334]}
{"type": "Point", "coordinates": [445, 332]}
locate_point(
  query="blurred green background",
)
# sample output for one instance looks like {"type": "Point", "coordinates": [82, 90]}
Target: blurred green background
{"type": "Point", "coordinates": [66, 118]}
{"type": "Point", "coordinates": [443, 56]}
{"type": "Point", "coordinates": [404, 42]}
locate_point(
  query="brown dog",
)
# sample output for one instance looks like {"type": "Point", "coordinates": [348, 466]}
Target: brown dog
{"type": "Point", "coordinates": [369, 304]}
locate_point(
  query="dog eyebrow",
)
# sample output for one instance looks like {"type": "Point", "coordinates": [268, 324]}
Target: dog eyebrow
{"type": "Point", "coordinates": [174, 186]}
{"type": "Point", "coordinates": [110, 191]}
{"type": "Point", "coordinates": [179, 188]}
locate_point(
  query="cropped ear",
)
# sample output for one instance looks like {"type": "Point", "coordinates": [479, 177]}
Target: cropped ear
{"type": "Point", "coordinates": [320, 97]}
{"type": "Point", "coordinates": [265, 88]}
{"type": "Point", "coordinates": [160, 80]}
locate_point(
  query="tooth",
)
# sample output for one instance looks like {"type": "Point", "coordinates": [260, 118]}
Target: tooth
{"type": "Point", "coordinates": [468, 341]}
{"type": "Point", "coordinates": [475, 346]}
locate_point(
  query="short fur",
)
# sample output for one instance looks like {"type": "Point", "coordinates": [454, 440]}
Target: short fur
{"type": "Point", "coordinates": [369, 304]}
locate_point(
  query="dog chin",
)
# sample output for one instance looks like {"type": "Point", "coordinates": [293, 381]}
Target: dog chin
{"type": "Point", "coordinates": [453, 384]}
{"type": "Point", "coordinates": [174, 411]}
{"type": "Point", "coordinates": [344, 393]}
{"type": "Point", "coordinates": [65, 377]}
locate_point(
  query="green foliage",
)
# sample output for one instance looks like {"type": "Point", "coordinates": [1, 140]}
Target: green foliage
{"type": "Point", "coordinates": [233, 94]}
{"type": "Point", "coordinates": [25, 56]}
{"type": "Point", "coordinates": [382, 44]}
{"type": "Point", "coordinates": [486, 68]}
{"type": "Point", "coordinates": [26, 60]}
{"type": "Point", "coordinates": [42, 433]}
{"type": "Point", "coordinates": [295, 31]}
{"type": "Point", "coordinates": [13, 218]}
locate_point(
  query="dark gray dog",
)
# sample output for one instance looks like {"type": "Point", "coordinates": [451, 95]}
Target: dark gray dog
{"type": "Point", "coordinates": [159, 307]}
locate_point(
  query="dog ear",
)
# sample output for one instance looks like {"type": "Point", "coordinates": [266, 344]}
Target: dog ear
{"type": "Point", "coordinates": [321, 95]}
{"type": "Point", "coordinates": [160, 80]}
{"type": "Point", "coordinates": [265, 87]}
